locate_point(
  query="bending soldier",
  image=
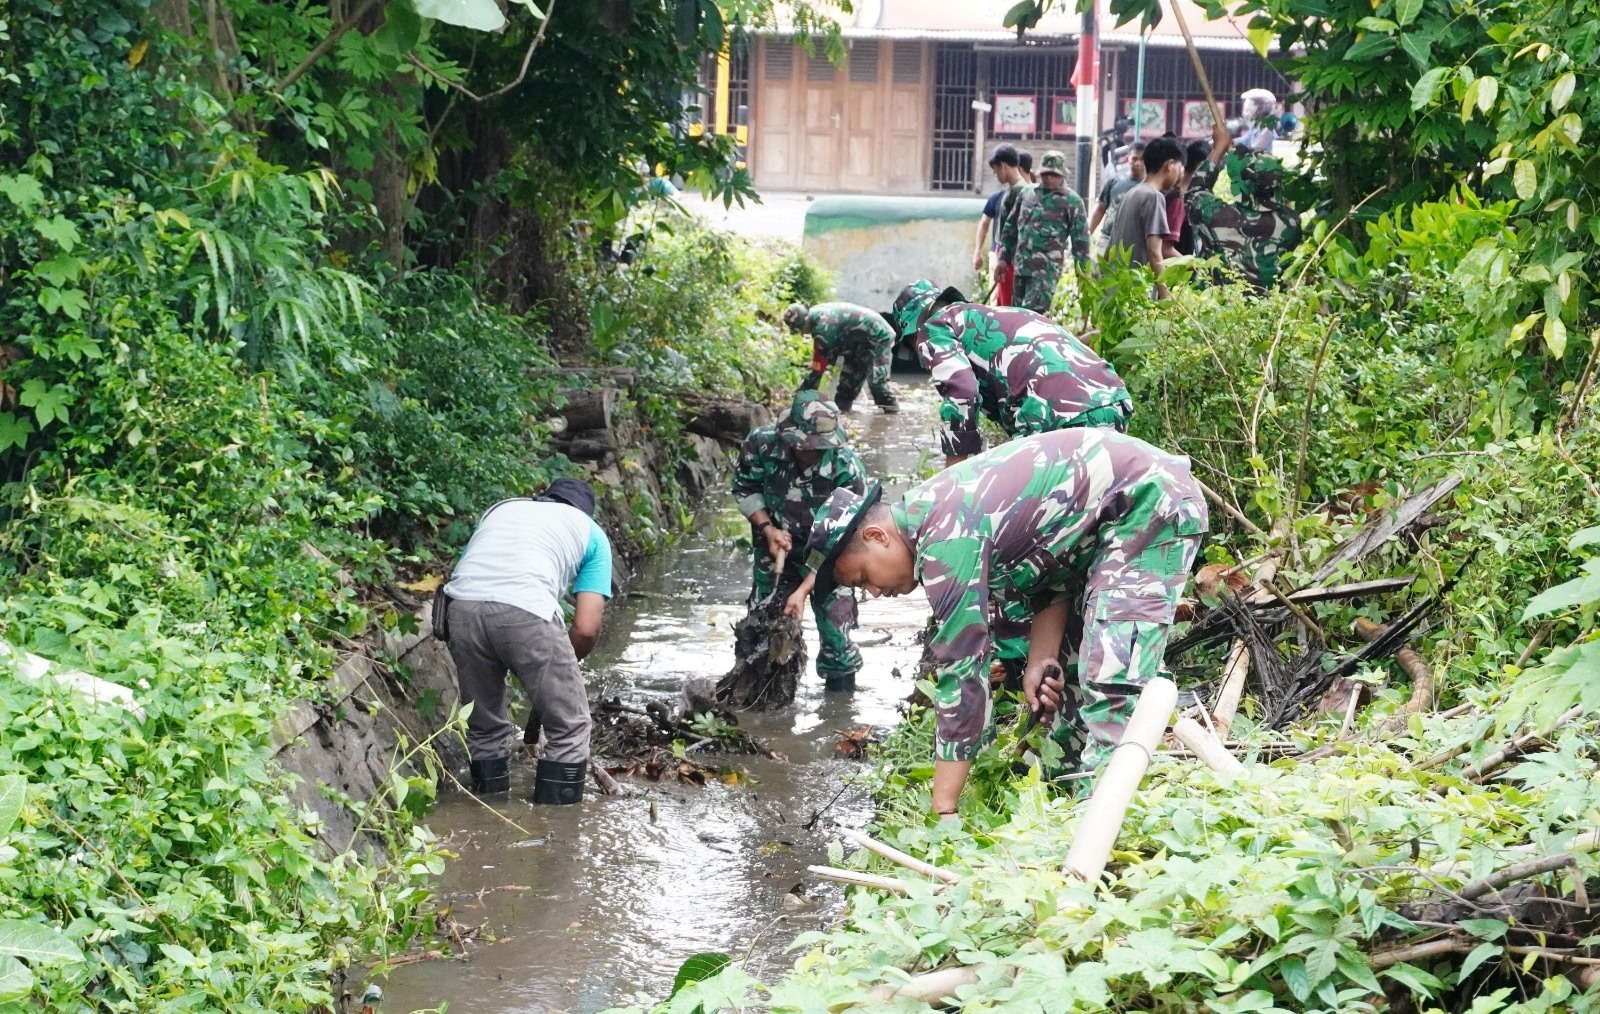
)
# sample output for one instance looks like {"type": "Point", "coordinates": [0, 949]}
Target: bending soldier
{"type": "Point", "coordinates": [1028, 522]}
{"type": "Point", "coordinates": [785, 472]}
{"type": "Point", "coordinates": [855, 336]}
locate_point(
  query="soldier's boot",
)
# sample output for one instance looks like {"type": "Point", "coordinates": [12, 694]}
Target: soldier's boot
{"type": "Point", "coordinates": [839, 682]}
{"type": "Point", "coordinates": [491, 775]}
{"type": "Point", "coordinates": [557, 783]}
{"type": "Point", "coordinates": [890, 409]}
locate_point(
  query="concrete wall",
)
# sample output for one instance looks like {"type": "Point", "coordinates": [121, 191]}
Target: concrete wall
{"type": "Point", "coordinates": [875, 246]}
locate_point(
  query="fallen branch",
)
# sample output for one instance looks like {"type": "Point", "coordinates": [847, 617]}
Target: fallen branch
{"type": "Point", "coordinates": [1230, 510]}
{"type": "Point", "coordinates": [602, 778]}
{"type": "Point", "coordinates": [1511, 874]}
{"type": "Point", "coordinates": [859, 879]}
{"type": "Point", "coordinates": [1206, 746]}
{"type": "Point", "coordinates": [929, 987]}
{"type": "Point", "coordinates": [1512, 749]}
{"type": "Point", "coordinates": [894, 855]}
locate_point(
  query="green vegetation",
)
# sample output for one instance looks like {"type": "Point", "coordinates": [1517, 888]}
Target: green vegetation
{"type": "Point", "coordinates": [250, 370]}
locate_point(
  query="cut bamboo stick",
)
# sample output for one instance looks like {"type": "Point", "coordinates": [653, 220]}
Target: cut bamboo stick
{"type": "Point", "coordinates": [929, 987]}
{"type": "Point", "coordinates": [1108, 806]}
{"type": "Point", "coordinates": [858, 879]}
{"type": "Point", "coordinates": [1234, 672]}
{"type": "Point", "coordinates": [1206, 747]}
{"type": "Point", "coordinates": [894, 855]}
{"type": "Point", "coordinates": [1516, 746]}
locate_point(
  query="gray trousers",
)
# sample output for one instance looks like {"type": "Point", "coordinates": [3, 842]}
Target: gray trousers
{"type": "Point", "coordinates": [487, 639]}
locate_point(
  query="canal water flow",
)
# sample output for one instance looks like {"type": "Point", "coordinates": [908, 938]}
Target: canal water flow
{"type": "Point", "coordinates": [593, 906]}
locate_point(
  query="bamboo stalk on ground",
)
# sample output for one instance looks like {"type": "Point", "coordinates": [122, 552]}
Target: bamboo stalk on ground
{"type": "Point", "coordinates": [1237, 668]}
{"type": "Point", "coordinates": [929, 987]}
{"type": "Point", "coordinates": [1512, 749]}
{"type": "Point", "coordinates": [1102, 819]}
{"type": "Point", "coordinates": [1206, 747]}
{"type": "Point", "coordinates": [894, 855]}
{"type": "Point", "coordinates": [858, 879]}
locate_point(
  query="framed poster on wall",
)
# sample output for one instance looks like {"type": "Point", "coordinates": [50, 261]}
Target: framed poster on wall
{"type": "Point", "coordinates": [1015, 114]}
{"type": "Point", "coordinates": [1153, 119]}
{"type": "Point", "coordinates": [1064, 115]}
{"type": "Point", "coordinates": [1197, 120]}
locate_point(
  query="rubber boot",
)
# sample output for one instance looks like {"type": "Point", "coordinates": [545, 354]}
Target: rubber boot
{"type": "Point", "coordinates": [892, 408]}
{"type": "Point", "coordinates": [558, 783]}
{"type": "Point", "coordinates": [839, 682]}
{"type": "Point", "coordinates": [491, 775]}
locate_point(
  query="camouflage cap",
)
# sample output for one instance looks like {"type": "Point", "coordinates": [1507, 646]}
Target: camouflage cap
{"type": "Point", "coordinates": [1053, 162]}
{"type": "Point", "coordinates": [812, 424]}
{"type": "Point", "coordinates": [916, 304]}
{"type": "Point", "coordinates": [832, 528]}
{"type": "Point", "coordinates": [794, 316]}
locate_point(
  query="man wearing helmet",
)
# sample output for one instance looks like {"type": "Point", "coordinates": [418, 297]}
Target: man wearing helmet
{"type": "Point", "coordinates": [856, 337]}
{"type": "Point", "coordinates": [786, 471]}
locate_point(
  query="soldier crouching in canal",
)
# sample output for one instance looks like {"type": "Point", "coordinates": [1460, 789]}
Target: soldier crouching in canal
{"type": "Point", "coordinates": [504, 612]}
{"type": "Point", "coordinates": [856, 336]}
{"type": "Point", "coordinates": [1030, 522]}
{"type": "Point", "coordinates": [785, 472]}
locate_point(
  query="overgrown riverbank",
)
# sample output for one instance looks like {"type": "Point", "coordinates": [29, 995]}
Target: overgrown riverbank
{"type": "Point", "coordinates": [227, 418]}
{"type": "Point", "coordinates": [1426, 860]}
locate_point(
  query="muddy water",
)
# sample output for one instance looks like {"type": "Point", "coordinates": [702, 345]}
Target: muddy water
{"type": "Point", "coordinates": [596, 905]}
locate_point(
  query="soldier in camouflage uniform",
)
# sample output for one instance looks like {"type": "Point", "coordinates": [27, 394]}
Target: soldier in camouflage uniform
{"type": "Point", "coordinates": [1025, 523]}
{"type": "Point", "coordinates": [855, 336]}
{"type": "Point", "coordinates": [785, 472]}
{"type": "Point", "coordinates": [1021, 369]}
{"type": "Point", "coordinates": [1050, 221]}
{"type": "Point", "coordinates": [1253, 232]}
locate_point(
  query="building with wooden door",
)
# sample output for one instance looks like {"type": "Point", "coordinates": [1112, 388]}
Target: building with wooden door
{"type": "Point", "coordinates": [928, 86]}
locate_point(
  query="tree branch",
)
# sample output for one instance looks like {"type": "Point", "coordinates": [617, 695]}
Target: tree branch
{"type": "Point", "coordinates": [321, 48]}
{"type": "Point", "coordinates": [527, 59]}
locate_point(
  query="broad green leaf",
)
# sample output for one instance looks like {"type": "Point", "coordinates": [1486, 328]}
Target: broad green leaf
{"type": "Point", "coordinates": [1406, 11]}
{"type": "Point", "coordinates": [1418, 49]}
{"type": "Point", "coordinates": [37, 943]}
{"type": "Point", "coordinates": [1376, 25]}
{"type": "Point", "coordinates": [1018, 13]}
{"type": "Point", "coordinates": [1480, 954]}
{"type": "Point", "coordinates": [698, 968]}
{"type": "Point", "coordinates": [1561, 91]}
{"type": "Point", "coordinates": [1484, 929]}
{"type": "Point", "coordinates": [1568, 128]}
{"type": "Point", "coordinates": [1469, 98]}
{"type": "Point", "coordinates": [1583, 537]}
{"type": "Point", "coordinates": [13, 790]}
{"type": "Point", "coordinates": [1567, 595]}
{"type": "Point", "coordinates": [1525, 178]}
{"type": "Point", "coordinates": [58, 270]}
{"type": "Point", "coordinates": [1488, 91]}
{"type": "Point", "coordinates": [23, 190]}
{"type": "Point", "coordinates": [1414, 979]}
{"type": "Point", "coordinates": [49, 404]}
{"type": "Point", "coordinates": [1520, 329]}
{"type": "Point", "coordinates": [483, 15]}
{"type": "Point", "coordinates": [401, 29]}
{"type": "Point", "coordinates": [14, 431]}
{"type": "Point", "coordinates": [1555, 336]}
{"type": "Point", "coordinates": [57, 230]}
{"type": "Point", "coordinates": [16, 981]}
{"type": "Point", "coordinates": [1261, 39]}
{"type": "Point", "coordinates": [1370, 47]}
{"type": "Point", "coordinates": [1427, 86]}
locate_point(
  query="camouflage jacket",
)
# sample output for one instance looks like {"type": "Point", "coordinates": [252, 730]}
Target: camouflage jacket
{"type": "Point", "coordinates": [838, 329]}
{"type": "Point", "coordinates": [1046, 225]}
{"type": "Point", "coordinates": [1250, 237]}
{"type": "Point", "coordinates": [1022, 524]}
{"type": "Point", "coordinates": [768, 477]}
{"type": "Point", "coordinates": [1024, 371]}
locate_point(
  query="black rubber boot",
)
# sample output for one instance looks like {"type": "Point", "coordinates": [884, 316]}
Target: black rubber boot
{"type": "Point", "coordinates": [491, 775]}
{"type": "Point", "coordinates": [558, 783]}
{"type": "Point", "coordinates": [839, 682]}
{"type": "Point", "coordinates": [893, 408]}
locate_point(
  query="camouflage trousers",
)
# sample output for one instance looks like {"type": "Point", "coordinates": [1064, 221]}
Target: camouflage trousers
{"type": "Point", "coordinates": [1035, 292]}
{"type": "Point", "coordinates": [837, 655]}
{"type": "Point", "coordinates": [865, 367]}
{"type": "Point", "coordinates": [1134, 582]}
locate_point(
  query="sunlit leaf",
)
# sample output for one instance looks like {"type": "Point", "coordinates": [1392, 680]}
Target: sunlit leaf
{"type": "Point", "coordinates": [37, 943]}
{"type": "Point", "coordinates": [483, 15]}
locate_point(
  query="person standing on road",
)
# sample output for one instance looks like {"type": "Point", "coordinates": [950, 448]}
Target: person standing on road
{"type": "Point", "coordinates": [1111, 194]}
{"type": "Point", "coordinates": [1050, 222]}
{"type": "Point", "coordinates": [1253, 232]}
{"type": "Point", "coordinates": [504, 613]}
{"type": "Point", "coordinates": [855, 336]}
{"type": "Point", "coordinates": [1005, 276]}
{"type": "Point", "coordinates": [1003, 163]}
{"type": "Point", "coordinates": [1141, 227]}
{"type": "Point", "coordinates": [1035, 522]}
{"type": "Point", "coordinates": [785, 472]}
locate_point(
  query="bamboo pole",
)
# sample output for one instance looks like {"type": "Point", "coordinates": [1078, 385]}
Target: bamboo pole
{"type": "Point", "coordinates": [929, 987]}
{"type": "Point", "coordinates": [1102, 820]}
{"type": "Point", "coordinates": [894, 855]}
{"type": "Point", "coordinates": [1206, 747]}
{"type": "Point", "coordinates": [1237, 668]}
{"type": "Point", "coordinates": [858, 879]}
{"type": "Point", "coordinates": [28, 666]}
{"type": "Point", "coordinates": [1199, 67]}
{"type": "Point", "coordinates": [1516, 746]}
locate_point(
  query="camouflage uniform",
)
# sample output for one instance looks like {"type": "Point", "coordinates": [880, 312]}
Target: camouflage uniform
{"type": "Point", "coordinates": [858, 338]}
{"type": "Point", "coordinates": [768, 477]}
{"type": "Point", "coordinates": [1252, 233]}
{"type": "Point", "coordinates": [1017, 529]}
{"type": "Point", "coordinates": [1036, 239]}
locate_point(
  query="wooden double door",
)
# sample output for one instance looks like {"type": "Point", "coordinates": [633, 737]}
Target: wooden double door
{"type": "Point", "coordinates": [860, 127]}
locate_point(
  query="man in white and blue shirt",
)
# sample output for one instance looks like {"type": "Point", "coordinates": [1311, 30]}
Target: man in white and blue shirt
{"type": "Point", "coordinates": [505, 614]}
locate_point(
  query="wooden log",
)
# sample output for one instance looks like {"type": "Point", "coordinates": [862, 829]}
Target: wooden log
{"type": "Point", "coordinates": [858, 879]}
{"type": "Point", "coordinates": [593, 445]}
{"type": "Point", "coordinates": [894, 855]}
{"type": "Point", "coordinates": [1206, 747]}
{"type": "Point", "coordinates": [1369, 537]}
{"type": "Point", "coordinates": [1108, 806]}
{"type": "Point", "coordinates": [603, 780]}
{"type": "Point", "coordinates": [729, 420]}
{"type": "Point", "coordinates": [929, 987]}
{"type": "Point", "coordinates": [1514, 748]}
{"type": "Point", "coordinates": [588, 408]}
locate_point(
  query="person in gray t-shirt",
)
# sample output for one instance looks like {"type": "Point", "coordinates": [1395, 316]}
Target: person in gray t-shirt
{"type": "Point", "coordinates": [1141, 222]}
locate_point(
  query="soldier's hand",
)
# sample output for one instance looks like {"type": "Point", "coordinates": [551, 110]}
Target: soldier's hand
{"type": "Point", "coordinates": [778, 541]}
{"type": "Point", "coordinates": [1221, 139]}
{"type": "Point", "coordinates": [1042, 685]}
{"type": "Point", "coordinates": [796, 602]}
